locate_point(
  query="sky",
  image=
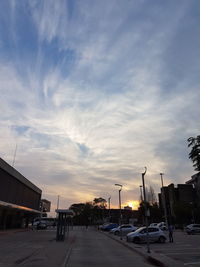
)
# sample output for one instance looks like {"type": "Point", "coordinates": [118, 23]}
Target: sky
{"type": "Point", "coordinates": [93, 91]}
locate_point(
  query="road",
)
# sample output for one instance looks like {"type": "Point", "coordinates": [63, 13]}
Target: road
{"type": "Point", "coordinates": [83, 248]}
{"type": "Point", "coordinates": [92, 248]}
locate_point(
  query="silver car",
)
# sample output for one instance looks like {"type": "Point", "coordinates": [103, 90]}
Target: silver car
{"type": "Point", "coordinates": [123, 229]}
{"type": "Point", "coordinates": [193, 229]}
{"type": "Point", "coordinates": [140, 235]}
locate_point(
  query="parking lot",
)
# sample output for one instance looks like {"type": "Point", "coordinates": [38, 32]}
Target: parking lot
{"type": "Point", "coordinates": [185, 249]}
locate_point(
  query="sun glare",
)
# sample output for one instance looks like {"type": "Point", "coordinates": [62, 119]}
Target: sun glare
{"type": "Point", "coordinates": [133, 204]}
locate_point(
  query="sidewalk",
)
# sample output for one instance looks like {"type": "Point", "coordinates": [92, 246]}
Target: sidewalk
{"type": "Point", "coordinates": [34, 249]}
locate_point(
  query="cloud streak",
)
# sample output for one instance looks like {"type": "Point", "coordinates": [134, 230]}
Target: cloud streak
{"type": "Point", "coordinates": [94, 91]}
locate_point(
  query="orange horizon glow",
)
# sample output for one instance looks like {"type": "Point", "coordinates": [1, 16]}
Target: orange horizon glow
{"type": "Point", "coordinates": [134, 204]}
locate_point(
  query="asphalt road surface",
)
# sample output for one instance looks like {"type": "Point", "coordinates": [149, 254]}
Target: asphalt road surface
{"type": "Point", "coordinates": [92, 248]}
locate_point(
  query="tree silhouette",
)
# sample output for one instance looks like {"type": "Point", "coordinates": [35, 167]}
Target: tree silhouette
{"type": "Point", "coordinates": [194, 155]}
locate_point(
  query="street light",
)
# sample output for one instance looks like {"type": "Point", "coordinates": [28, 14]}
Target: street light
{"type": "Point", "coordinates": [120, 209]}
{"type": "Point", "coordinates": [109, 206]}
{"type": "Point", "coordinates": [164, 199]}
{"type": "Point", "coordinates": [141, 198]}
{"type": "Point", "coordinates": [145, 209]}
{"type": "Point", "coordinates": [120, 202]}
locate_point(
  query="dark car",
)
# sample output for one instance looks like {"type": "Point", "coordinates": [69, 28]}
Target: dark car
{"type": "Point", "coordinates": [41, 226]}
{"type": "Point", "coordinates": [109, 226]}
{"type": "Point", "coordinates": [192, 229]}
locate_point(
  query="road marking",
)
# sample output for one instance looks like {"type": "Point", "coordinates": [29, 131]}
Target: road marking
{"type": "Point", "coordinates": [66, 260]}
{"type": "Point", "coordinates": [188, 263]}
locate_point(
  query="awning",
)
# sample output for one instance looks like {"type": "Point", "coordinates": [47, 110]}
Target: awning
{"type": "Point", "coordinates": [14, 206]}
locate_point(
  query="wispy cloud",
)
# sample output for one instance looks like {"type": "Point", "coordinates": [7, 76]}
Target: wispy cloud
{"type": "Point", "coordinates": [94, 91]}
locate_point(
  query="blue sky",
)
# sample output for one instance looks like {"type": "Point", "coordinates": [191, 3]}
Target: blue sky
{"type": "Point", "coordinates": [93, 91]}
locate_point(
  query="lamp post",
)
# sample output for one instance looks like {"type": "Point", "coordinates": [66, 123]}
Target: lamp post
{"type": "Point", "coordinates": [120, 209]}
{"type": "Point", "coordinates": [145, 209]}
{"type": "Point", "coordinates": [109, 207]}
{"type": "Point", "coordinates": [141, 193]}
{"type": "Point", "coordinates": [164, 199]}
{"type": "Point", "coordinates": [58, 200]}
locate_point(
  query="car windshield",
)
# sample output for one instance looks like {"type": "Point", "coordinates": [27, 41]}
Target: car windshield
{"type": "Point", "coordinates": [139, 229]}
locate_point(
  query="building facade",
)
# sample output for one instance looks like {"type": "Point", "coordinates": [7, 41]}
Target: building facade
{"type": "Point", "coordinates": [19, 198]}
{"type": "Point", "coordinates": [195, 182]}
{"type": "Point", "coordinates": [178, 202]}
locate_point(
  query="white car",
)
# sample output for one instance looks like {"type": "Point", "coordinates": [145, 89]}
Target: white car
{"type": "Point", "coordinates": [140, 235]}
{"type": "Point", "coordinates": [162, 226]}
{"type": "Point", "coordinates": [123, 229]}
{"type": "Point", "coordinates": [153, 224]}
{"type": "Point", "coordinates": [192, 229]}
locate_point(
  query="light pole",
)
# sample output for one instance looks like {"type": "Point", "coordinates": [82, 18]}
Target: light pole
{"type": "Point", "coordinates": [141, 198]}
{"type": "Point", "coordinates": [120, 209]}
{"type": "Point", "coordinates": [164, 199]}
{"type": "Point", "coordinates": [145, 209]}
{"type": "Point", "coordinates": [58, 200]}
{"type": "Point", "coordinates": [109, 207]}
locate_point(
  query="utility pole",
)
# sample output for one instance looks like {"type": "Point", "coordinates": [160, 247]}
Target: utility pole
{"type": "Point", "coordinates": [145, 209]}
{"type": "Point", "coordinates": [164, 200]}
{"type": "Point", "coordinates": [109, 207]}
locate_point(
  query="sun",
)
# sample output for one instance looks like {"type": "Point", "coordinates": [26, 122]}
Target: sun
{"type": "Point", "coordinates": [133, 204]}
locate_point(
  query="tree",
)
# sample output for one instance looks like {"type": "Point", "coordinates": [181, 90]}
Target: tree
{"type": "Point", "coordinates": [89, 212]}
{"type": "Point", "coordinates": [100, 202]}
{"type": "Point", "coordinates": [151, 196]}
{"type": "Point", "coordinates": [194, 155]}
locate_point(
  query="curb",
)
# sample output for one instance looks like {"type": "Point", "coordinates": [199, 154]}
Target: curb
{"type": "Point", "coordinates": [156, 259]}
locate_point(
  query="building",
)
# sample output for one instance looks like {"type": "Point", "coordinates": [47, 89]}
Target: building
{"type": "Point", "coordinates": [19, 198]}
{"type": "Point", "coordinates": [128, 208]}
{"type": "Point", "coordinates": [45, 205]}
{"type": "Point", "coordinates": [195, 182]}
{"type": "Point", "coordinates": [178, 201]}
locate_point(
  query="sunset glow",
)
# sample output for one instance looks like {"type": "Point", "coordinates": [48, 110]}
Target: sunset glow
{"type": "Point", "coordinates": [133, 204]}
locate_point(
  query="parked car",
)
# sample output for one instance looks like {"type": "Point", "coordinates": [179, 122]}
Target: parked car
{"type": "Point", "coordinates": [108, 226]}
{"type": "Point", "coordinates": [153, 224]}
{"type": "Point", "coordinates": [162, 226]}
{"type": "Point", "coordinates": [192, 229]}
{"type": "Point", "coordinates": [140, 235]}
{"type": "Point", "coordinates": [40, 225]}
{"type": "Point", "coordinates": [123, 229]}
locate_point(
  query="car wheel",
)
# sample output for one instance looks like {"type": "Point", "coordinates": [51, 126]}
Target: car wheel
{"type": "Point", "coordinates": [162, 239]}
{"type": "Point", "coordinates": [117, 233]}
{"type": "Point", "coordinates": [136, 240]}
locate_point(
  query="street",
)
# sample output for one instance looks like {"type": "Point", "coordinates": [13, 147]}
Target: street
{"type": "Point", "coordinates": [89, 247]}
{"type": "Point", "coordinates": [92, 248]}
{"type": "Point", "coordinates": [82, 248]}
